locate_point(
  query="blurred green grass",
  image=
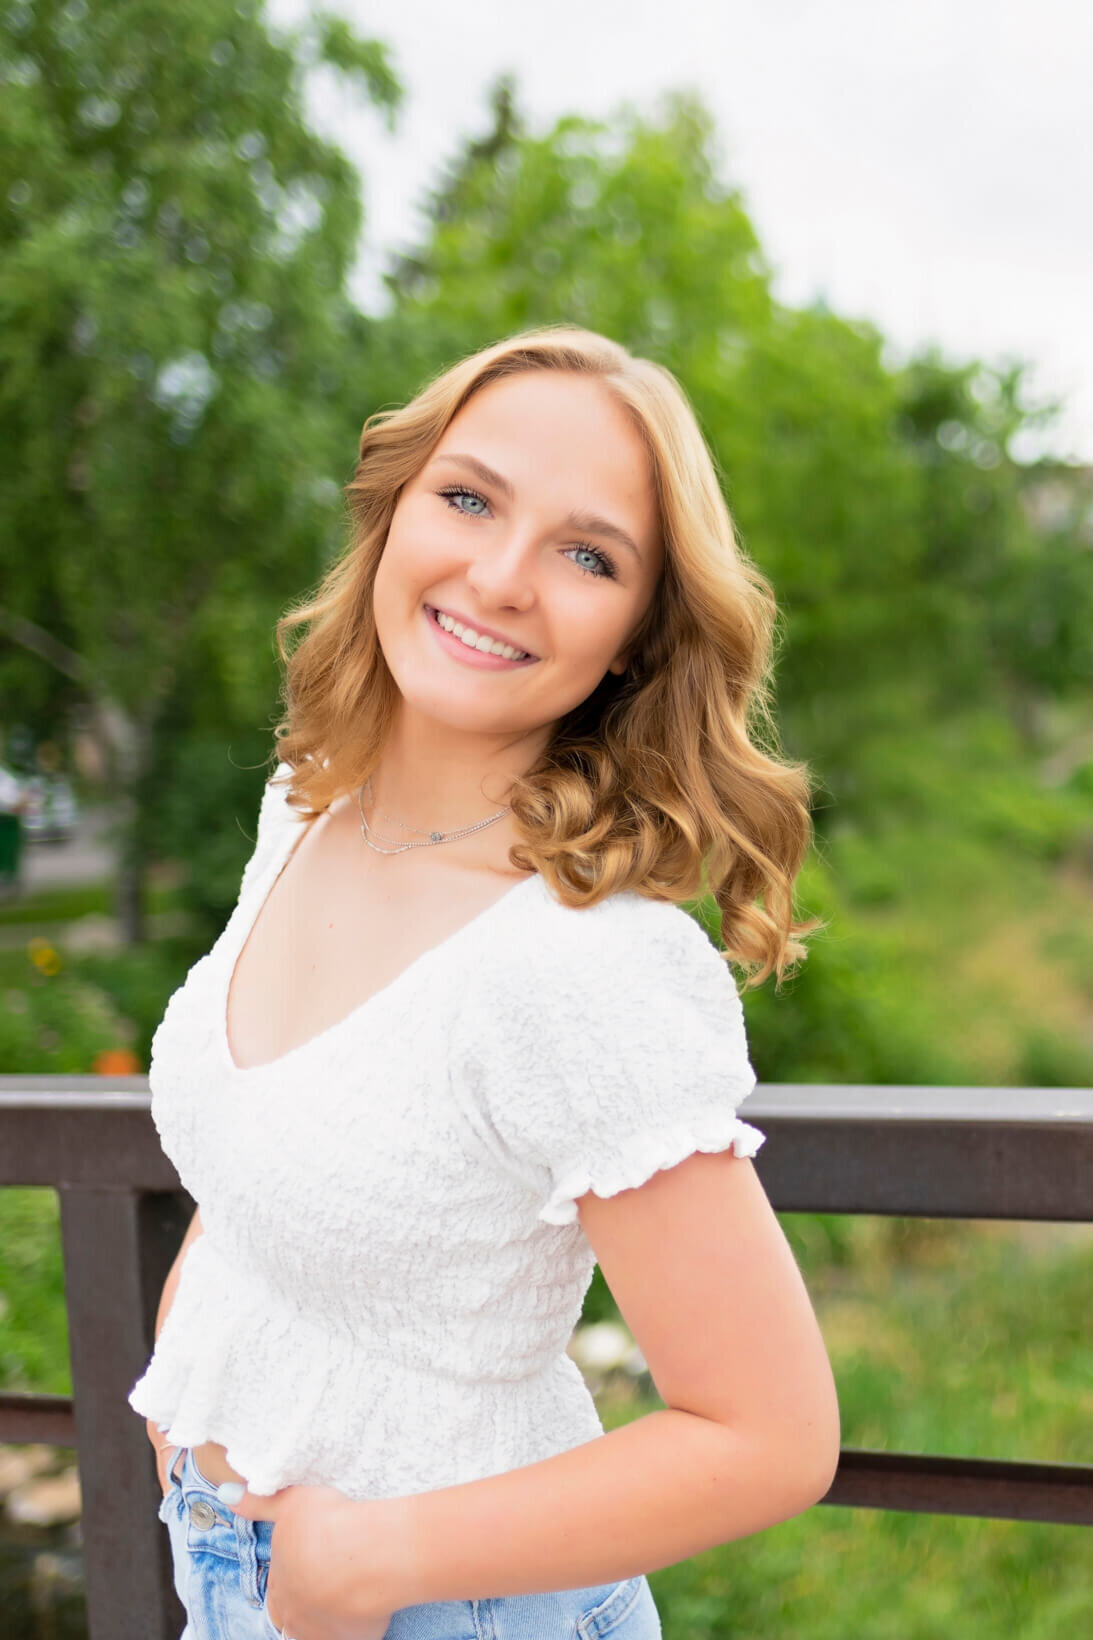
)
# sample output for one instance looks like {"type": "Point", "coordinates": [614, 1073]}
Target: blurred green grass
{"type": "Point", "coordinates": [69, 901]}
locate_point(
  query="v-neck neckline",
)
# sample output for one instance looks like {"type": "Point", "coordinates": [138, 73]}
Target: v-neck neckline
{"type": "Point", "coordinates": [259, 896]}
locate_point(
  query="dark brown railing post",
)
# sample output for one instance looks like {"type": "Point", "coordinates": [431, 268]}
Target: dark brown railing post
{"type": "Point", "coordinates": [123, 1216]}
{"type": "Point", "coordinates": [118, 1247]}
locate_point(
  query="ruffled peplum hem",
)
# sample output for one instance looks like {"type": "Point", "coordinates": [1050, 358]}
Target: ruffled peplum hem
{"type": "Point", "coordinates": [294, 1405]}
{"type": "Point", "coordinates": [636, 1158]}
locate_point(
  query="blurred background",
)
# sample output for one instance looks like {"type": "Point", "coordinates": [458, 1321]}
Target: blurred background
{"type": "Point", "coordinates": [230, 232]}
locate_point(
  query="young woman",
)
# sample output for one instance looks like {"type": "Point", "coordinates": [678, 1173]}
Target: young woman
{"type": "Point", "coordinates": [459, 1040]}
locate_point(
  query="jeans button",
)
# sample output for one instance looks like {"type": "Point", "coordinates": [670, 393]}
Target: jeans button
{"type": "Point", "coordinates": [202, 1514]}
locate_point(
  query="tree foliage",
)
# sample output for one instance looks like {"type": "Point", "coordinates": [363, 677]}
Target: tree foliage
{"type": "Point", "coordinates": [174, 333]}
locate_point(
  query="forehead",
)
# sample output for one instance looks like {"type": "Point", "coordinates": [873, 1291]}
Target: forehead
{"type": "Point", "coordinates": [558, 434]}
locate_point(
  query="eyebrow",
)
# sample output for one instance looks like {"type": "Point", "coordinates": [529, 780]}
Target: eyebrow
{"type": "Point", "coordinates": [576, 520]}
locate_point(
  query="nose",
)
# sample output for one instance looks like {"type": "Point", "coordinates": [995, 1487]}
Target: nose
{"type": "Point", "coordinates": [504, 576]}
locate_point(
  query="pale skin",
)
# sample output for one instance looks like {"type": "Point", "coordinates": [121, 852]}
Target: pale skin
{"type": "Point", "coordinates": [695, 1257]}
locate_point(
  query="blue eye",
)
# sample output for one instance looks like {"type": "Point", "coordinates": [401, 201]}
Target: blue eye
{"type": "Point", "coordinates": [474, 495]}
{"type": "Point", "coordinates": [607, 571]}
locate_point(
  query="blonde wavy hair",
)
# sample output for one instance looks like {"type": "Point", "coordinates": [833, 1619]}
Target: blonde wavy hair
{"type": "Point", "coordinates": [657, 782]}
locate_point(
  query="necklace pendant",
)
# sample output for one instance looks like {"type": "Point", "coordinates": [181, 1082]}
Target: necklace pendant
{"type": "Point", "coordinates": [435, 836]}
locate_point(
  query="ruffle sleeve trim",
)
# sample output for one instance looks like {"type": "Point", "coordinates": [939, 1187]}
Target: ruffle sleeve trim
{"type": "Point", "coordinates": [641, 1155]}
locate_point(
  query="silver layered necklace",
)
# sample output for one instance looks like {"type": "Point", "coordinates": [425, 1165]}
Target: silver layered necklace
{"type": "Point", "coordinates": [432, 837]}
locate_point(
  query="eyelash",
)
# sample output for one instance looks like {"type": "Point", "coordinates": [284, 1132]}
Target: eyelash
{"type": "Point", "coordinates": [609, 572]}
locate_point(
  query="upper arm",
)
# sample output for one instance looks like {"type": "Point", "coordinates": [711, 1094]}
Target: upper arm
{"type": "Point", "coordinates": [194, 1229]}
{"type": "Point", "coordinates": [706, 1281]}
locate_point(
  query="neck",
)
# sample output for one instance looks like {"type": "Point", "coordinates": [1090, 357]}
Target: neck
{"type": "Point", "coordinates": [439, 778]}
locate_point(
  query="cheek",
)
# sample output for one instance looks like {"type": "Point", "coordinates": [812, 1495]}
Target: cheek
{"type": "Point", "coordinates": [380, 589]}
{"type": "Point", "coordinates": [413, 554]}
{"type": "Point", "coordinates": [394, 573]}
{"type": "Point", "coordinates": [590, 637]}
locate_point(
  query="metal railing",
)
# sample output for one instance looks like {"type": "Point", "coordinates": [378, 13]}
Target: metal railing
{"type": "Point", "coordinates": [983, 1153]}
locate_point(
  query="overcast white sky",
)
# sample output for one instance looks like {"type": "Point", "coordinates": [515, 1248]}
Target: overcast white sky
{"type": "Point", "coordinates": [924, 165]}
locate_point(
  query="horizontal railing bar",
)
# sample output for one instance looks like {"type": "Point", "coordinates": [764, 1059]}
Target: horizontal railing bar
{"type": "Point", "coordinates": [991, 1153]}
{"type": "Point", "coordinates": [998, 1489]}
{"type": "Point", "coordinates": [842, 1101]}
{"type": "Point", "coordinates": [990, 1488]}
{"type": "Point", "coordinates": [32, 1419]}
{"type": "Point", "coordinates": [974, 1153]}
{"type": "Point", "coordinates": [883, 1101]}
{"type": "Point", "coordinates": [92, 1132]}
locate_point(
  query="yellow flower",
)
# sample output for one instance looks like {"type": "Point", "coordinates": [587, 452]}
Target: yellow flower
{"type": "Point", "coordinates": [43, 956]}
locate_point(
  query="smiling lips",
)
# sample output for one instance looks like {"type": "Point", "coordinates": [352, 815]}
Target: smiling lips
{"type": "Point", "coordinates": [475, 643]}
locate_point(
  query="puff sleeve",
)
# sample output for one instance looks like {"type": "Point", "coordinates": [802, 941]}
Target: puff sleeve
{"type": "Point", "coordinates": [611, 1051]}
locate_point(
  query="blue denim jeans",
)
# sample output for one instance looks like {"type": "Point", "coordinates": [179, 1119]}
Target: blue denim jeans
{"type": "Point", "coordinates": [221, 1568]}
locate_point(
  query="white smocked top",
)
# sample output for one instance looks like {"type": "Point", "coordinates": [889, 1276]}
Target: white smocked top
{"type": "Point", "coordinates": [392, 1264]}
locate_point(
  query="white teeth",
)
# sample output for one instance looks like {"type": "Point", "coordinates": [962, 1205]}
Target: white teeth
{"type": "Point", "coordinates": [488, 646]}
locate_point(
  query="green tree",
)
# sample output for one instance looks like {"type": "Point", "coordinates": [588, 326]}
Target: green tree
{"type": "Point", "coordinates": [174, 338]}
{"type": "Point", "coordinates": [1030, 585]}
